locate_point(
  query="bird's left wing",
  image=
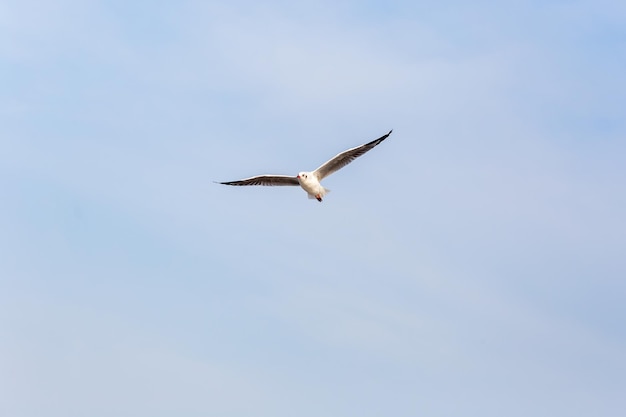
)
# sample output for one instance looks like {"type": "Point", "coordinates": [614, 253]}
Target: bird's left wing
{"type": "Point", "coordinates": [268, 180]}
{"type": "Point", "coordinates": [344, 158]}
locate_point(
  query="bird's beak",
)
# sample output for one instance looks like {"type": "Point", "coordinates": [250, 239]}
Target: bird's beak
{"type": "Point", "coordinates": [298, 176]}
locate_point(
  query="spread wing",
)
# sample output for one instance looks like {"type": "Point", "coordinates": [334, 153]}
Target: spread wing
{"type": "Point", "coordinates": [269, 180]}
{"type": "Point", "coordinates": [344, 158]}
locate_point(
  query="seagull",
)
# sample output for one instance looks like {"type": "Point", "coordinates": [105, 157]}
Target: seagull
{"type": "Point", "coordinates": [310, 181]}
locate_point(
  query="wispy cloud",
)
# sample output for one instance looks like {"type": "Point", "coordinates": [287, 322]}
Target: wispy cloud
{"type": "Point", "coordinates": [480, 244]}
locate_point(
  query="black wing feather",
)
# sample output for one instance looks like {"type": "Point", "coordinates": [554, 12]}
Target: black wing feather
{"type": "Point", "coordinates": [344, 158]}
{"type": "Point", "coordinates": [266, 180]}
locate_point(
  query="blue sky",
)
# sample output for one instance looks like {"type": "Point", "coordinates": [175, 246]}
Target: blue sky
{"type": "Point", "coordinates": [473, 264]}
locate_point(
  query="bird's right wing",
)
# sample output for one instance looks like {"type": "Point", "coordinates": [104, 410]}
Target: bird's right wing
{"type": "Point", "coordinates": [344, 158]}
{"type": "Point", "coordinates": [267, 180]}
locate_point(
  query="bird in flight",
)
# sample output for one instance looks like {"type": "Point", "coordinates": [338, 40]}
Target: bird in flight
{"type": "Point", "coordinates": [310, 181]}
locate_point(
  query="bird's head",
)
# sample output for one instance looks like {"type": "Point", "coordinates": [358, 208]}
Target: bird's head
{"type": "Point", "coordinates": [302, 176]}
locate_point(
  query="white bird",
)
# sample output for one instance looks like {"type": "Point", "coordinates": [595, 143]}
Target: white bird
{"type": "Point", "coordinates": [310, 181]}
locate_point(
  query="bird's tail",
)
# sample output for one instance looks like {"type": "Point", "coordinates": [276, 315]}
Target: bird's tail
{"type": "Point", "coordinates": [323, 192]}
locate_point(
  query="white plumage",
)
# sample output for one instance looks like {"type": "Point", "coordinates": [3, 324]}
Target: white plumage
{"type": "Point", "coordinates": [310, 181]}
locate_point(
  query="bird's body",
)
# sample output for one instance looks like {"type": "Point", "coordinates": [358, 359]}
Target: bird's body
{"type": "Point", "coordinates": [311, 185]}
{"type": "Point", "coordinates": [310, 181]}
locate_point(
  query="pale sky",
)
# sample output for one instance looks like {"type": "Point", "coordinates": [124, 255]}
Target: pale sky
{"type": "Point", "coordinates": [473, 264]}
